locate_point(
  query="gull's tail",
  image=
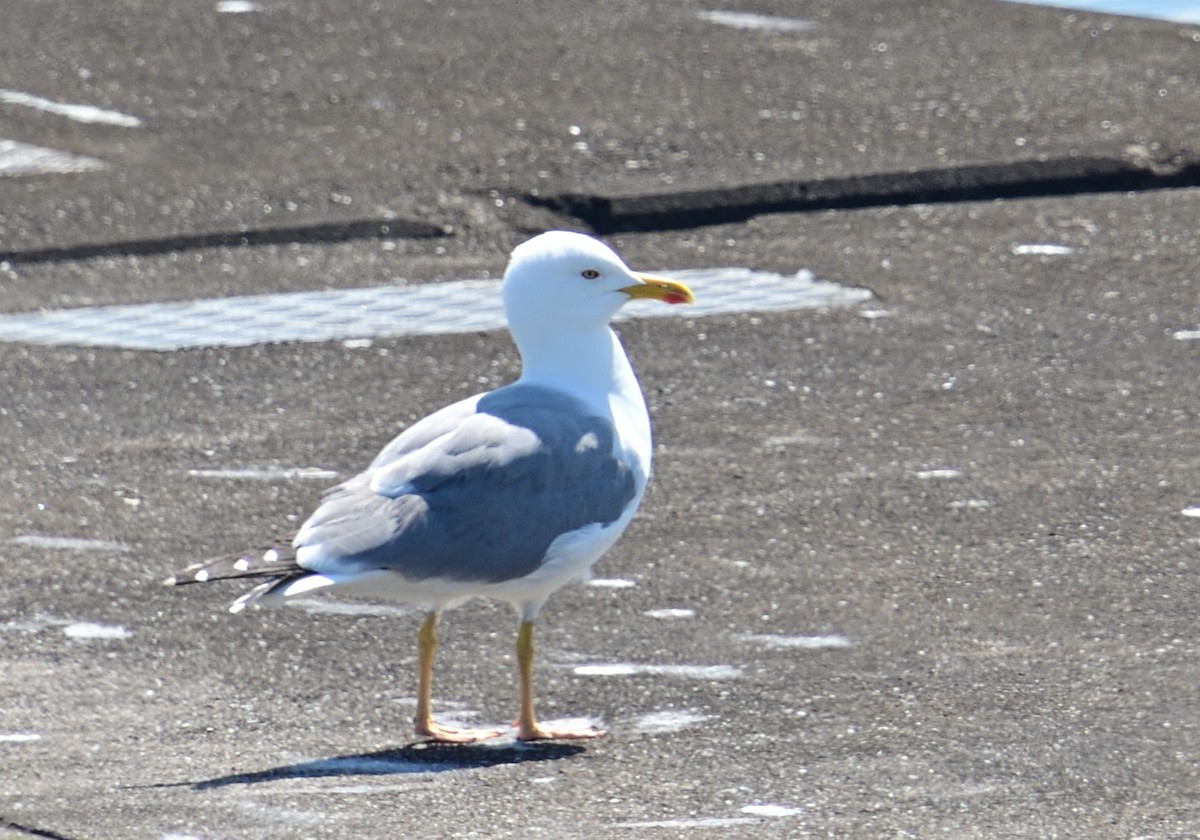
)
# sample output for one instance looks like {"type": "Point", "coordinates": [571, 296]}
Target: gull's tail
{"type": "Point", "coordinates": [273, 565]}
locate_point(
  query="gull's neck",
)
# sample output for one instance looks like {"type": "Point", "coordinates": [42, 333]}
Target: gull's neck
{"type": "Point", "coordinates": [592, 367]}
{"type": "Point", "coordinates": [586, 365]}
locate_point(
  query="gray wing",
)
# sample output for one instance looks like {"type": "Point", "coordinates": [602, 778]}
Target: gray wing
{"type": "Point", "coordinates": [478, 495]}
{"type": "Point", "coordinates": [426, 430]}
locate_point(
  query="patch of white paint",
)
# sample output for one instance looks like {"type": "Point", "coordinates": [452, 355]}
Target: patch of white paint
{"type": "Point", "coordinates": [264, 473]}
{"type": "Point", "coordinates": [79, 113]}
{"type": "Point", "coordinates": [280, 814]}
{"type": "Point", "coordinates": [89, 630]}
{"type": "Point", "coordinates": [694, 822]}
{"type": "Point", "coordinates": [801, 642]}
{"type": "Point", "coordinates": [970, 504]}
{"type": "Point", "coordinates": [237, 7]}
{"type": "Point", "coordinates": [19, 738]}
{"type": "Point", "coordinates": [667, 721]}
{"type": "Point", "coordinates": [423, 309]}
{"type": "Point", "coordinates": [1192, 510]}
{"type": "Point", "coordinates": [671, 613]}
{"type": "Point", "coordinates": [1186, 335]}
{"type": "Point", "coordinates": [577, 722]}
{"type": "Point", "coordinates": [26, 159]}
{"type": "Point", "coordinates": [1042, 249]}
{"type": "Point", "coordinates": [938, 473]}
{"type": "Point", "coordinates": [69, 543]}
{"type": "Point", "coordinates": [629, 669]}
{"type": "Point", "coordinates": [749, 20]}
{"type": "Point", "coordinates": [791, 440]}
{"type": "Point", "coordinates": [315, 606]}
{"type": "Point", "coordinates": [611, 583]}
{"type": "Point", "coordinates": [612, 669]}
{"type": "Point", "coordinates": [771, 810]}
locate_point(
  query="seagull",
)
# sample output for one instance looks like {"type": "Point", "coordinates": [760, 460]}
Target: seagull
{"type": "Point", "coordinates": [507, 495]}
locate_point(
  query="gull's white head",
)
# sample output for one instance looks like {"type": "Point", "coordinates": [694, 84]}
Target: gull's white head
{"type": "Point", "coordinates": [562, 280]}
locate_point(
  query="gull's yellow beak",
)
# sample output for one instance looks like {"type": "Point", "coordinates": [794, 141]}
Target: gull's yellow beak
{"type": "Point", "coordinates": [659, 288]}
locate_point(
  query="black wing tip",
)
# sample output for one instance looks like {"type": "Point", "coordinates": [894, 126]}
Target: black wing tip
{"type": "Point", "coordinates": [270, 562]}
{"type": "Point", "coordinates": [192, 574]}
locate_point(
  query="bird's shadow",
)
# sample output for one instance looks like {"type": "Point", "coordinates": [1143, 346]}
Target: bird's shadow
{"type": "Point", "coordinates": [414, 758]}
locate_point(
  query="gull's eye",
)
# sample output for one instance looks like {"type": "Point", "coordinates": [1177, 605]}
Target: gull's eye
{"type": "Point", "coordinates": [589, 274]}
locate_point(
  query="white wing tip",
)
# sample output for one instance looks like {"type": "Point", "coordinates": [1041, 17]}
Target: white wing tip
{"type": "Point", "coordinates": [250, 597]}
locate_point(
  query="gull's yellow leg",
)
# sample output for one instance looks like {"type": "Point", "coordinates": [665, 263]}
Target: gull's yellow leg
{"type": "Point", "coordinates": [423, 723]}
{"type": "Point", "coordinates": [528, 729]}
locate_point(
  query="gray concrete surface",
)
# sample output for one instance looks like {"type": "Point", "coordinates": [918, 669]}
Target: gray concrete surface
{"type": "Point", "coordinates": [972, 487]}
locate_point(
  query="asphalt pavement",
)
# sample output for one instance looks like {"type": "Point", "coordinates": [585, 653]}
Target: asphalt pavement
{"type": "Point", "coordinates": [922, 566]}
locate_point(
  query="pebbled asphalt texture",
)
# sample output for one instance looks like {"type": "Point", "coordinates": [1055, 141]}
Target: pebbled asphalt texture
{"type": "Point", "coordinates": [924, 566]}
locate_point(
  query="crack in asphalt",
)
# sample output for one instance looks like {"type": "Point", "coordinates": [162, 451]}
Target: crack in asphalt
{"type": "Point", "coordinates": [9, 825]}
{"type": "Point", "coordinates": [975, 182]}
{"type": "Point", "coordinates": [680, 210]}
{"type": "Point", "coordinates": [317, 232]}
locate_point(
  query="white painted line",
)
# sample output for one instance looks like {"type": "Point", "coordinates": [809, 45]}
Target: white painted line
{"type": "Point", "coordinates": [265, 473]}
{"type": "Point", "coordinates": [1186, 335]}
{"type": "Point", "coordinates": [79, 113]}
{"type": "Point", "coordinates": [26, 159]}
{"type": "Point", "coordinates": [325, 606]}
{"type": "Point", "coordinates": [88, 630]}
{"type": "Point", "coordinates": [693, 822]}
{"type": "Point", "coordinates": [611, 583]}
{"type": "Point", "coordinates": [803, 642]}
{"type": "Point", "coordinates": [938, 473]}
{"type": "Point", "coordinates": [629, 669]}
{"type": "Point", "coordinates": [1042, 249]}
{"type": "Point", "coordinates": [793, 440]}
{"type": "Point", "coordinates": [19, 738]}
{"type": "Point", "coordinates": [671, 613]}
{"type": "Point", "coordinates": [428, 309]}
{"type": "Point", "coordinates": [749, 20]}
{"type": "Point", "coordinates": [771, 810]}
{"type": "Point", "coordinates": [69, 543]}
{"type": "Point", "coordinates": [667, 721]}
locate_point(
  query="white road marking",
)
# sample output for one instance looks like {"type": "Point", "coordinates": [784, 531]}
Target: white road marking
{"type": "Point", "coordinates": [1042, 250]}
{"type": "Point", "coordinates": [89, 630]}
{"type": "Point", "coordinates": [802, 642]}
{"type": "Point", "coordinates": [426, 309]}
{"type": "Point", "coordinates": [79, 113]}
{"type": "Point", "coordinates": [629, 669]}
{"type": "Point", "coordinates": [26, 159]}
{"type": "Point", "coordinates": [69, 543]}
{"type": "Point", "coordinates": [749, 20]}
